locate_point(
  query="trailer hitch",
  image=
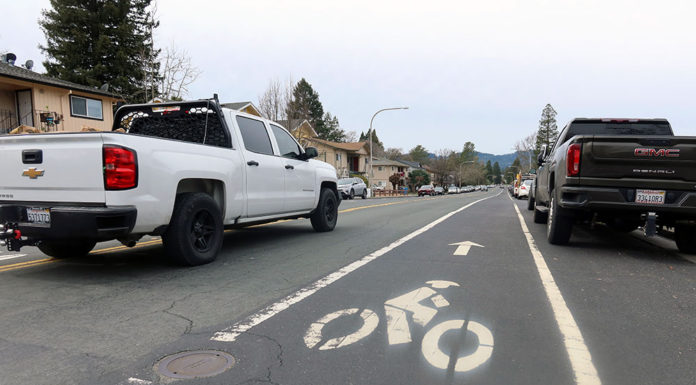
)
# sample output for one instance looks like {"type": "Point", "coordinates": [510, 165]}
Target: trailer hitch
{"type": "Point", "coordinates": [11, 236]}
{"type": "Point", "coordinates": [650, 227]}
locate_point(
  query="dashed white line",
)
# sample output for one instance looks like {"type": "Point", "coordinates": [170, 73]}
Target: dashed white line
{"type": "Point", "coordinates": [231, 333]}
{"type": "Point", "coordinates": [578, 353]}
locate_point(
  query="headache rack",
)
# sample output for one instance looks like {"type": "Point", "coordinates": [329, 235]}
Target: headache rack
{"type": "Point", "coordinates": [198, 121]}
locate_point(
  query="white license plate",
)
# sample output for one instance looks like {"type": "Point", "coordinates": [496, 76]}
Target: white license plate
{"type": "Point", "coordinates": [650, 197]}
{"type": "Point", "coordinates": [39, 215]}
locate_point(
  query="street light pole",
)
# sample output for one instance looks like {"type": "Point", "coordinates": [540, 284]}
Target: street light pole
{"type": "Point", "coordinates": [369, 176]}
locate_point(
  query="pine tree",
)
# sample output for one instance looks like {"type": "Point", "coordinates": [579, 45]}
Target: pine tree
{"type": "Point", "coordinates": [375, 139]}
{"type": "Point", "coordinates": [332, 129]}
{"type": "Point", "coordinates": [548, 130]}
{"type": "Point", "coordinates": [305, 104]}
{"type": "Point", "coordinates": [489, 170]}
{"type": "Point", "coordinates": [468, 153]}
{"type": "Point", "coordinates": [97, 42]}
{"type": "Point", "coordinates": [496, 173]}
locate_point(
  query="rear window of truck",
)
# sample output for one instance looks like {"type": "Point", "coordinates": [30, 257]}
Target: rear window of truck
{"type": "Point", "coordinates": [615, 128]}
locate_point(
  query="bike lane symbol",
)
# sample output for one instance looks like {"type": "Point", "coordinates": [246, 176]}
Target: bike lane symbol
{"type": "Point", "coordinates": [398, 329]}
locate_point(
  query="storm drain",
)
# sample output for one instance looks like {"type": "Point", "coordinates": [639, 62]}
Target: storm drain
{"type": "Point", "coordinates": [195, 364]}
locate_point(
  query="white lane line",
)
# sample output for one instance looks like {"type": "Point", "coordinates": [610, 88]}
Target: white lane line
{"type": "Point", "coordinates": [579, 354]}
{"type": "Point", "coordinates": [231, 333]}
{"type": "Point", "coordinates": [6, 257]}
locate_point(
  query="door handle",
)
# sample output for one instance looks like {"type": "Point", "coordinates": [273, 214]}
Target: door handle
{"type": "Point", "coordinates": [289, 167]}
{"type": "Point", "coordinates": [252, 163]}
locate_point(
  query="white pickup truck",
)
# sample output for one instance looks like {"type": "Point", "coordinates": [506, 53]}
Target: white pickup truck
{"type": "Point", "coordinates": [185, 171]}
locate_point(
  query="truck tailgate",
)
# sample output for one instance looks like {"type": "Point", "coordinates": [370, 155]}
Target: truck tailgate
{"type": "Point", "coordinates": [70, 168]}
{"type": "Point", "coordinates": [655, 157]}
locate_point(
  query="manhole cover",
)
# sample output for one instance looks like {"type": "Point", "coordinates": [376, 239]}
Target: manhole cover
{"type": "Point", "coordinates": [195, 364]}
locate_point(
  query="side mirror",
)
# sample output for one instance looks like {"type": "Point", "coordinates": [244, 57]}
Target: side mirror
{"type": "Point", "coordinates": [310, 152]}
{"type": "Point", "coordinates": [540, 159]}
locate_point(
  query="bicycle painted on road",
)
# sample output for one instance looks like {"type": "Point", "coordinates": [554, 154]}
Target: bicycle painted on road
{"type": "Point", "coordinates": [422, 312]}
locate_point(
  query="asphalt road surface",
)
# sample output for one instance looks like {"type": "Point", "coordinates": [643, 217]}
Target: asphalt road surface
{"type": "Point", "coordinates": [444, 290]}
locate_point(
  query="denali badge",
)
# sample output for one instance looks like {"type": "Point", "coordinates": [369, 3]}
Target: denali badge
{"type": "Point", "coordinates": [662, 152]}
{"type": "Point", "coordinates": [666, 172]}
{"type": "Point", "coordinates": [33, 173]}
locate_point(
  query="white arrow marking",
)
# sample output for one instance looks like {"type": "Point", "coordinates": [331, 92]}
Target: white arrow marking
{"type": "Point", "coordinates": [464, 247]}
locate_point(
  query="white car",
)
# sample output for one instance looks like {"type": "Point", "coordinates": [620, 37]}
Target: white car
{"type": "Point", "coordinates": [185, 171]}
{"type": "Point", "coordinates": [523, 190]}
{"type": "Point", "coordinates": [352, 187]}
{"type": "Point", "coordinates": [452, 189]}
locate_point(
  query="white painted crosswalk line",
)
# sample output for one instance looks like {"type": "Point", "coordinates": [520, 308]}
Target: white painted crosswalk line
{"type": "Point", "coordinates": [6, 257]}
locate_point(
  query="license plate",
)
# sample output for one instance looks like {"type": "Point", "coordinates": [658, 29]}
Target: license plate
{"type": "Point", "coordinates": [39, 215]}
{"type": "Point", "coordinates": [650, 197]}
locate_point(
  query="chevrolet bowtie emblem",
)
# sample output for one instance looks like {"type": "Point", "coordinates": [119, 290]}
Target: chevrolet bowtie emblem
{"type": "Point", "coordinates": [33, 173]}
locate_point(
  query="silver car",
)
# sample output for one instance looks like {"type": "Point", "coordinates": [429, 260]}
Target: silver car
{"type": "Point", "coordinates": [352, 187]}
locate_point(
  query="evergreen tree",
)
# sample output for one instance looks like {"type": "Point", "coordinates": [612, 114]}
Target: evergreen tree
{"type": "Point", "coordinates": [419, 154]}
{"type": "Point", "coordinates": [496, 173]}
{"type": "Point", "coordinates": [375, 139]}
{"type": "Point", "coordinates": [332, 129]}
{"type": "Point", "coordinates": [548, 130]}
{"type": "Point", "coordinates": [468, 153]}
{"type": "Point", "coordinates": [97, 42]}
{"type": "Point", "coordinates": [305, 104]}
{"type": "Point", "coordinates": [489, 171]}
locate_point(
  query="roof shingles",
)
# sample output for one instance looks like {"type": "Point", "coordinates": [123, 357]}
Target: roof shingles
{"type": "Point", "coordinates": [20, 73]}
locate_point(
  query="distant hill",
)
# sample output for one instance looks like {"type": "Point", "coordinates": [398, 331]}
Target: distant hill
{"type": "Point", "coordinates": [504, 160]}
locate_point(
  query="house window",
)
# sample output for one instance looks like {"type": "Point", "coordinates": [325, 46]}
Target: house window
{"type": "Point", "coordinates": [338, 157]}
{"type": "Point", "coordinates": [86, 108]}
{"type": "Point", "coordinates": [379, 168]}
{"type": "Point", "coordinates": [392, 168]}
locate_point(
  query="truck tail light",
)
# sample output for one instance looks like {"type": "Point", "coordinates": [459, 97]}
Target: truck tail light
{"type": "Point", "coordinates": [573, 159]}
{"type": "Point", "coordinates": [120, 168]}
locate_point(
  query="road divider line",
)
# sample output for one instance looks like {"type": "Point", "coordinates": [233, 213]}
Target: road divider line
{"type": "Point", "coordinates": [6, 257]}
{"type": "Point", "coordinates": [231, 333]}
{"type": "Point", "coordinates": [578, 353]}
{"type": "Point", "coordinates": [26, 264]}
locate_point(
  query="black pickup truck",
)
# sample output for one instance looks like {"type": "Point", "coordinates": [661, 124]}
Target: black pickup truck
{"type": "Point", "coordinates": [625, 173]}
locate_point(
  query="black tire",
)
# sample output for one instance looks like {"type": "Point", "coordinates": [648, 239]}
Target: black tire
{"type": "Point", "coordinates": [352, 194]}
{"type": "Point", "coordinates": [530, 203]}
{"type": "Point", "coordinates": [685, 236]}
{"type": "Point", "coordinates": [326, 215]}
{"type": "Point", "coordinates": [195, 233]}
{"type": "Point", "coordinates": [67, 249]}
{"type": "Point", "coordinates": [364, 194]}
{"type": "Point", "coordinates": [559, 225]}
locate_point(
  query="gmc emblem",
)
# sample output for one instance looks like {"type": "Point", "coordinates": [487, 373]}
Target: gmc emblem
{"type": "Point", "coordinates": [662, 152]}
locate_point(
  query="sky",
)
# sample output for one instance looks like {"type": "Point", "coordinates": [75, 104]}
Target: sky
{"type": "Point", "coordinates": [479, 71]}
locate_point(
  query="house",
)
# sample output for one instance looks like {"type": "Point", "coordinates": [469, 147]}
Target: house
{"type": "Point", "coordinates": [247, 107]}
{"type": "Point", "coordinates": [382, 169]}
{"type": "Point", "coordinates": [347, 158]}
{"type": "Point", "coordinates": [50, 104]}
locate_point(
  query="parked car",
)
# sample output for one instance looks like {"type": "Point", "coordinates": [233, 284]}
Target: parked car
{"type": "Point", "coordinates": [452, 189]}
{"type": "Point", "coordinates": [524, 189]}
{"type": "Point", "coordinates": [352, 187]}
{"type": "Point", "coordinates": [184, 170]}
{"type": "Point", "coordinates": [622, 172]}
{"type": "Point", "coordinates": [426, 189]}
{"type": "Point", "coordinates": [439, 190]}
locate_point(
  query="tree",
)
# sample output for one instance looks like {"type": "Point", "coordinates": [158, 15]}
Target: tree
{"type": "Point", "coordinates": [548, 130]}
{"type": "Point", "coordinates": [394, 179]}
{"type": "Point", "coordinates": [377, 146]}
{"type": "Point", "coordinates": [468, 153]}
{"type": "Point", "coordinates": [417, 178]}
{"type": "Point", "coordinates": [526, 150]}
{"type": "Point", "coordinates": [442, 165]}
{"type": "Point", "coordinates": [496, 173]}
{"type": "Point", "coordinates": [419, 154]}
{"type": "Point", "coordinates": [305, 105]}
{"type": "Point", "coordinates": [332, 129]}
{"type": "Point", "coordinates": [489, 171]}
{"type": "Point", "coordinates": [393, 153]}
{"type": "Point", "coordinates": [272, 102]}
{"type": "Point", "coordinates": [101, 42]}
{"type": "Point", "coordinates": [178, 73]}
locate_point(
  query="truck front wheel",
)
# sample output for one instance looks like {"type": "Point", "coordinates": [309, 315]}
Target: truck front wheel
{"type": "Point", "coordinates": [195, 233]}
{"type": "Point", "coordinates": [326, 215]}
{"type": "Point", "coordinates": [685, 236]}
{"type": "Point", "coordinates": [67, 249]}
{"type": "Point", "coordinates": [560, 223]}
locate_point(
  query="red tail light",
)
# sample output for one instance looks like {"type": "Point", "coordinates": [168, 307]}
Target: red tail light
{"type": "Point", "coordinates": [573, 159]}
{"type": "Point", "coordinates": [120, 168]}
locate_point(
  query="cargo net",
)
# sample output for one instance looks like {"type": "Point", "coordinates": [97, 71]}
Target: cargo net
{"type": "Point", "coordinates": [185, 124]}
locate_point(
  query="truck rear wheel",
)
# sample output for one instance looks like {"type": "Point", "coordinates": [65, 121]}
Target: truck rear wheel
{"type": "Point", "coordinates": [326, 215]}
{"type": "Point", "coordinates": [530, 202]}
{"type": "Point", "coordinates": [560, 224]}
{"type": "Point", "coordinates": [194, 236]}
{"type": "Point", "coordinates": [67, 249]}
{"type": "Point", "coordinates": [685, 236]}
